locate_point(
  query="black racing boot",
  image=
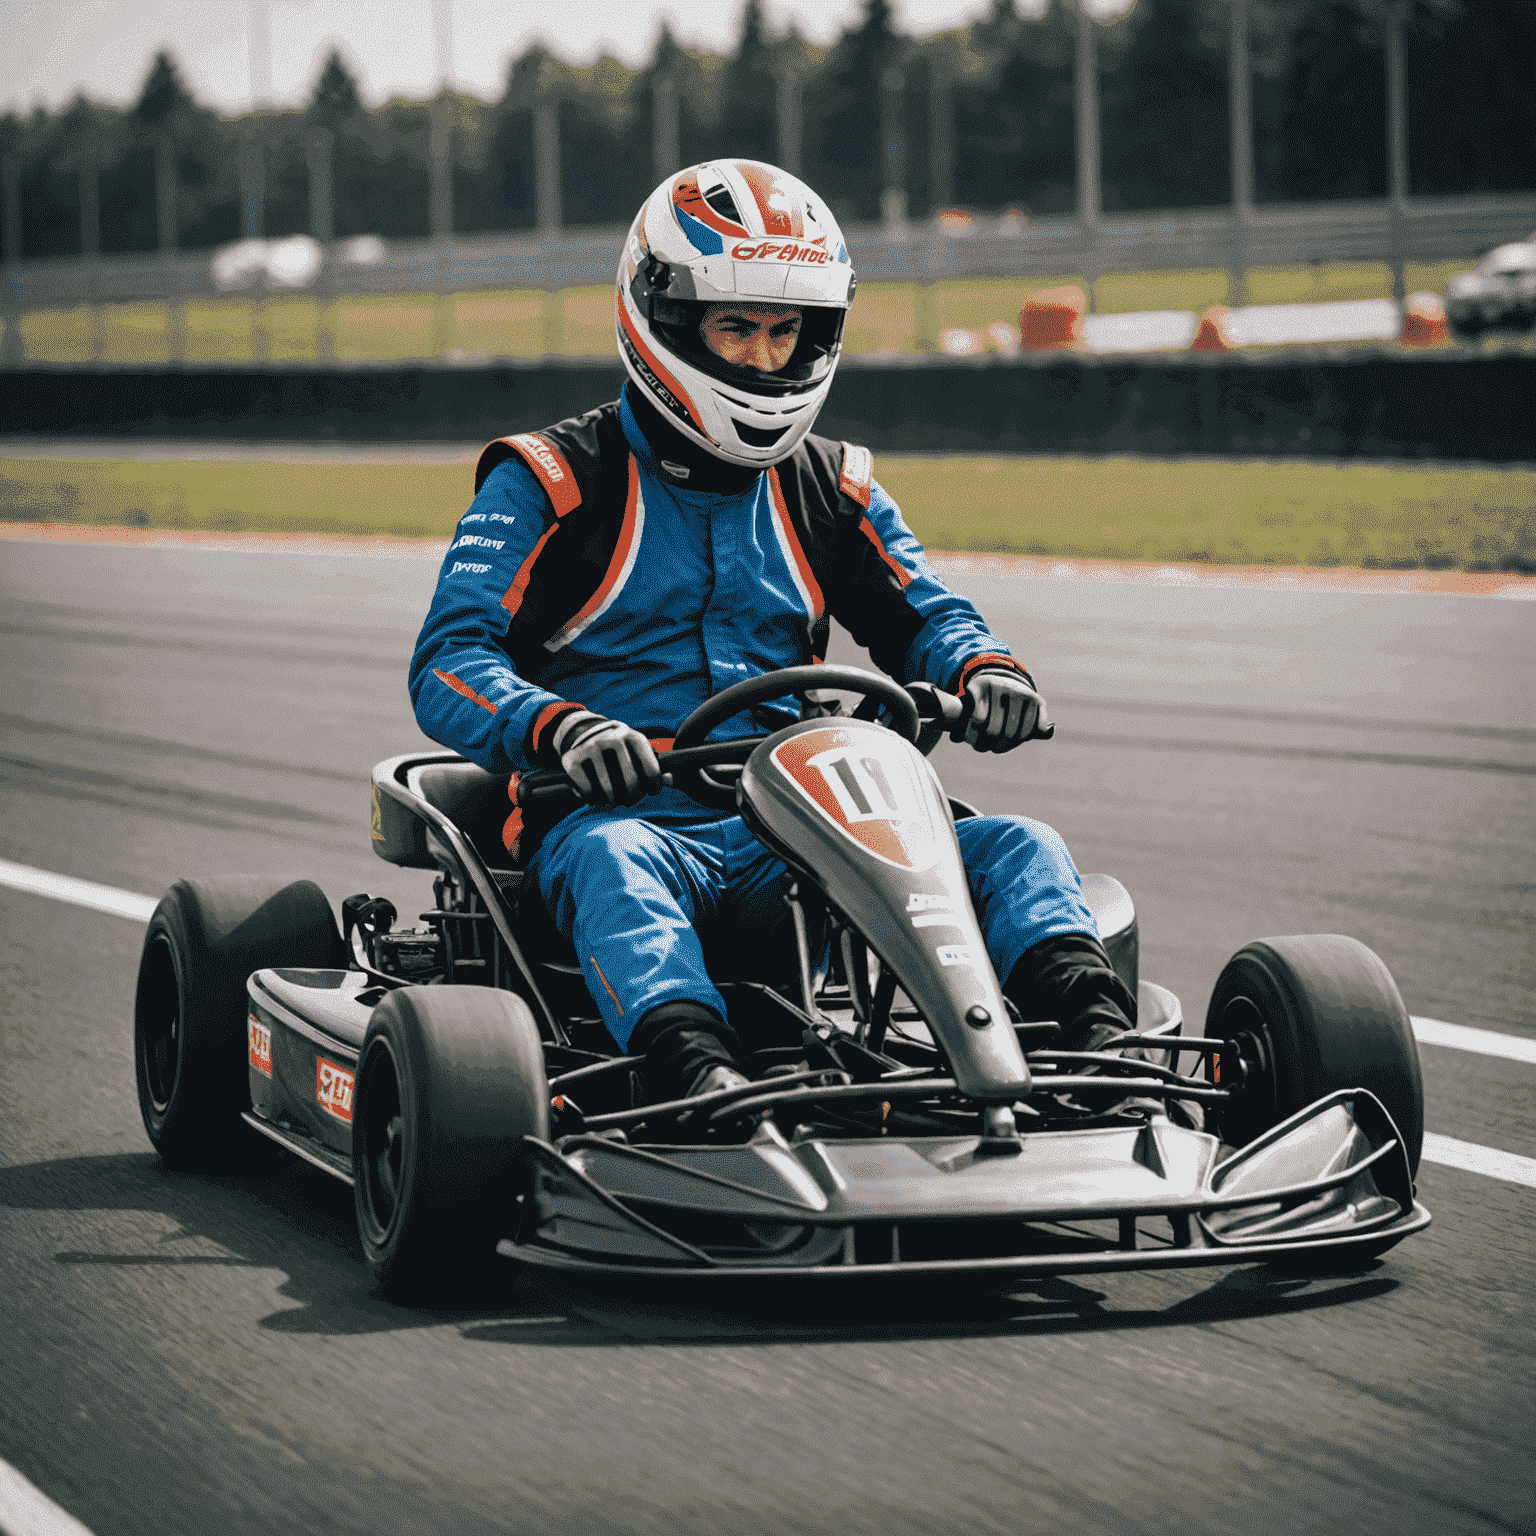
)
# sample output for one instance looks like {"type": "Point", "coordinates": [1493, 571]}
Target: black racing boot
{"type": "Point", "coordinates": [1069, 978]}
{"type": "Point", "coordinates": [687, 1046]}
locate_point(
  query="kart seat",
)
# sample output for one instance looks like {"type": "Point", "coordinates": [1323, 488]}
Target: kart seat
{"type": "Point", "coordinates": [472, 799]}
{"type": "Point", "coordinates": [1115, 913]}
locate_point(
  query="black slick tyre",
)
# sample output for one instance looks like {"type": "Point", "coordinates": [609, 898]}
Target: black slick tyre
{"type": "Point", "coordinates": [189, 1032]}
{"type": "Point", "coordinates": [449, 1081]}
{"type": "Point", "coordinates": [1310, 1015]}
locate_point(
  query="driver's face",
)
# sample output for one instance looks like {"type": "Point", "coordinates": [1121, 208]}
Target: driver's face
{"type": "Point", "coordinates": [761, 337]}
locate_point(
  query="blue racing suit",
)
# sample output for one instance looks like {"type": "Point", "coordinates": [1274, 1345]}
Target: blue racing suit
{"type": "Point", "coordinates": [664, 597]}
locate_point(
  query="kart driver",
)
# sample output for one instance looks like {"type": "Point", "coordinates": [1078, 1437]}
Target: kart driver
{"type": "Point", "coordinates": [619, 568]}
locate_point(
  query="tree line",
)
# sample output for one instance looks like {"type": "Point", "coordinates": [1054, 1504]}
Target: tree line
{"type": "Point", "coordinates": [980, 117]}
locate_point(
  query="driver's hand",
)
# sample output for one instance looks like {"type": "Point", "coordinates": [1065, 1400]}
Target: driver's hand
{"type": "Point", "coordinates": [609, 762]}
{"type": "Point", "coordinates": [1004, 711]}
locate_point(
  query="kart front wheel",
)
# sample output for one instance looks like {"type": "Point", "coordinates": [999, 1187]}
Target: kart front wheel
{"type": "Point", "coordinates": [449, 1082]}
{"type": "Point", "coordinates": [189, 1033]}
{"type": "Point", "coordinates": [1307, 1016]}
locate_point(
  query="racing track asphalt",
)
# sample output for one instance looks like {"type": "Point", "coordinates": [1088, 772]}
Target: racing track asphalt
{"type": "Point", "coordinates": [190, 1354]}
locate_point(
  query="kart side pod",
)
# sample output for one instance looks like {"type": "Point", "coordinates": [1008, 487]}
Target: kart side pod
{"type": "Point", "coordinates": [860, 811]}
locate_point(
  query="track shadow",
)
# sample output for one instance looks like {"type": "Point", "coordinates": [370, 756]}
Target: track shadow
{"type": "Point", "coordinates": [282, 1216]}
{"type": "Point", "coordinates": [894, 1310]}
{"type": "Point", "coordinates": [289, 1218]}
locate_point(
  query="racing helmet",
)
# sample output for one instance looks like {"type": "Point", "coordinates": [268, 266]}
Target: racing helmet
{"type": "Point", "coordinates": [735, 232]}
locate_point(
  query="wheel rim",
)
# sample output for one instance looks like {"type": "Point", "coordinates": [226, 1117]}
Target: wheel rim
{"type": "Point", "coordinates": [381, 1137]}
{"type": "Point", "coordinates": [159, 1020]}
{"type": "Point", "coordinates": [1252, 1107]}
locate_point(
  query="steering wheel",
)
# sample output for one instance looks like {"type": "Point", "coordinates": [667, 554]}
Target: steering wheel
{"type": "Point", "coordinates": [878, 692]}
{"type": "Point", "coordinates": [693, 762]}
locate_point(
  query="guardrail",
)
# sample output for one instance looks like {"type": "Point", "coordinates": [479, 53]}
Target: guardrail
{"type": "Point", "coordinates": [1424, 230]}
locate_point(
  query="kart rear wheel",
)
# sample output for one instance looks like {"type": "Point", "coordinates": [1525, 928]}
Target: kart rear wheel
{"type": "Point", "coordinates": [189, 1036]}
{"type": "Point", "coordinates": [449, 1082]}
{"type": "Point", "coordinates": [1309, 1015]}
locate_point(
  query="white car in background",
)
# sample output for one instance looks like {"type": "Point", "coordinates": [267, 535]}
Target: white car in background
{"type": "Point", "coordinates": [1498, 294]}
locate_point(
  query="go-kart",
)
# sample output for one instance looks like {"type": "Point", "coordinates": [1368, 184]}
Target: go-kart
{"type": "Point", "coordinates": [901, 1118]}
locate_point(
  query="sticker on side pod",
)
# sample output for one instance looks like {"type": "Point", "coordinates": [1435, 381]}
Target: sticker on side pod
{"type": "Point", "coordinates": [333, 1089]}
{"type": "Point", "coordinates": [258, 1038]}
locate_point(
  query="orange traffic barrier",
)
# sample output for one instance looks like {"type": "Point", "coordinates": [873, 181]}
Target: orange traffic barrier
{"type": "Point", "coordinates": [1424, 321]}
{"type": "Point", "coordinates": [1213, 335]}
{"type": "Point", "coordinates": [1052, 318]}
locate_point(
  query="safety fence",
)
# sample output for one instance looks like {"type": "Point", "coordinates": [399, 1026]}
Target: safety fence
{"type": "Point", "coordinates": [1423, 230]}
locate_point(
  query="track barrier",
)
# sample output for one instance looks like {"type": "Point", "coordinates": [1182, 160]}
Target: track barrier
{"type": "Point", "coordinates": [1437, 404]}
{"type": "Point", "coordinates": [1212, 336]}
{"type": "Point", "coordinates": [1424, 321]}
{"type": "Point", "coordinates": [1052, 319]}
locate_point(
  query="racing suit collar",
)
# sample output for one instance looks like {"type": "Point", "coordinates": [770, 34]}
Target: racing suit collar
{"type": "Point", "coordinates": [666, 452]}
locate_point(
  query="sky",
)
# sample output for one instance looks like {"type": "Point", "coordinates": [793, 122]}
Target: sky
{"type": "Point", "coordinates": [50, 50]}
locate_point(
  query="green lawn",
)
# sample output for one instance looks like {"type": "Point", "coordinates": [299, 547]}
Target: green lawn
{"type": "Point", "coordinates": [886, 317]}
{"type": "Point", "coordinates": [1220, 510]}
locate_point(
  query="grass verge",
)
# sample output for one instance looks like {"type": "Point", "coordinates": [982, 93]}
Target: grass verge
{"type": "Point", "coordinates": [1241, 512]}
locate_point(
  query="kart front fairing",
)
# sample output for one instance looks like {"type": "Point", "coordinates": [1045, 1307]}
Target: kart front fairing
{"type": "Point", "coordinates": [862, 813]}
{"type": "Point", "coordinates": [859, 812]}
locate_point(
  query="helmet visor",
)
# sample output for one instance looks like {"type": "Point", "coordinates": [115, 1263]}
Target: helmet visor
{"type": "Point", "coordinates": [678, 323]}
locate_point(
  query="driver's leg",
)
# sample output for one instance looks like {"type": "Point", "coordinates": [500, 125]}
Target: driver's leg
{"type": "Point", "coordinates": [631, 895]}
{"type": "Point", "coordinates": [1039, 933]}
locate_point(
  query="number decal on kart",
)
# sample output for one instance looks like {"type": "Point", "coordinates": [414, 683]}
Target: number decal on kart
{"type": "Point", "coordinates": [259, 1039]}
{"type": "Point", "coordinates": [333, 1089]}
{"type": "Point", "coordinates": [869, 787]}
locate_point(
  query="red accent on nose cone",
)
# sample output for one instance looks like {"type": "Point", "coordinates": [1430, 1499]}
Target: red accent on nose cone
{"type": "Point", "coordinates": [867, 788]}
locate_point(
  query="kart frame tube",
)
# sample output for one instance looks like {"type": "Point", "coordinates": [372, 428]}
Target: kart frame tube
{"type": "Point", "coordinates": [387, 779]}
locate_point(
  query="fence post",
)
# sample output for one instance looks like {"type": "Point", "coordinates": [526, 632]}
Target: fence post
{"type": "Point", "coordinates": [1087, 82]}
{"type": "Point", "coordinates": [1240, 103]}
{"type": "Point", "coordinates": [665, 134]}
{"type": "Point", "coordinates": [941, 194]}
{"type": "Point", "coordinates": [941, 138]}
{"type": "Point", "coordinates": [12, 349]}
{"type": "Point", "coordinates": [788, 102]}
{"type": "Point", "coordinates": [167, 228]}
{"type": "Point", "coordinates": [322, 226]}
{"type": "Point", "coordinates": [1397, 152]}
{"type": "Point", "coordinates": [546, 153]}
{"type": "Point", "coordinates": [90, 249]}
{"type": "Point", "coordinates": [893, 191]}
{"type": "Point", "coordinates": [441, 197]}
{"type": "Point", "coordinates": [252, 196]}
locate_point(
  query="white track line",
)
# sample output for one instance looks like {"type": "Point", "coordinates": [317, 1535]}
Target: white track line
{"type": "Point", "coordinates": [28, 1511]}
{"type": "Point", "coordinates": [1437, 1149]}
{"type": "Point", "coordinates": [79, 893]}
{"type": "Point", "coordinates": [1471, 1158]}
{"type": "Point", "coordinates": [1485, 1042]}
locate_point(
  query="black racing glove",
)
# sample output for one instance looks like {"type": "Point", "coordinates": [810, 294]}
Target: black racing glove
{"type": "Point", "coordinates": [1005, 711]}
{"type": "Point", "coordinates": [610, 763]}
